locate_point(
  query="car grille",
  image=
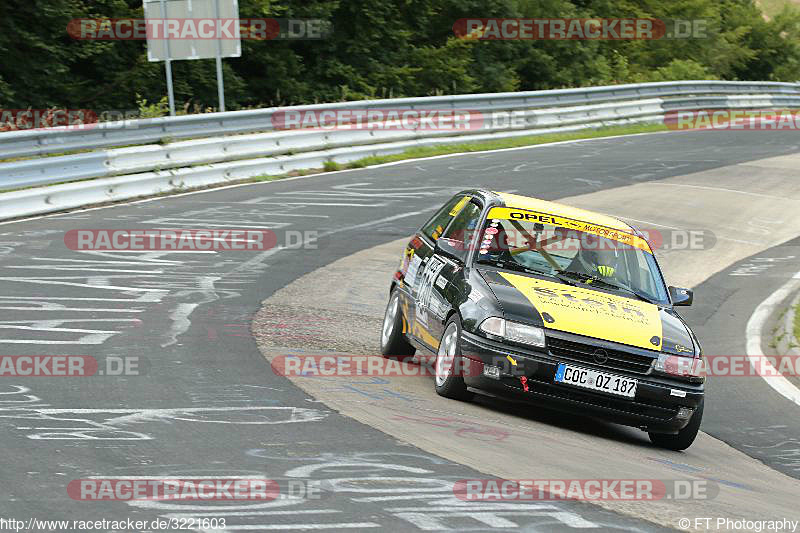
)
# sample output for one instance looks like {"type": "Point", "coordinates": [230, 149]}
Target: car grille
{"type": "Point", "coordinates": [640, 409]}
{"type": "Point", "coordinates": [584, 353]}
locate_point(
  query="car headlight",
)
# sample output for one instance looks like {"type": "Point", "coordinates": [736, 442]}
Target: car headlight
{"type": "Point", "coordinates": [513, 331]}
{"type": "Point", "coordinates": [678, 365]}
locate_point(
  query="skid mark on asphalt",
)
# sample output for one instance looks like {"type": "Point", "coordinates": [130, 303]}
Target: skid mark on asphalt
{"type": "Point", "coordinates": [783, 450]}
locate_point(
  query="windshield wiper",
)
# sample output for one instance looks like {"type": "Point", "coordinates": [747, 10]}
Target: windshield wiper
{"type": "Point", "coordinates": [570, 277]}
{"type": "Point", "coordinates": [521, 268]}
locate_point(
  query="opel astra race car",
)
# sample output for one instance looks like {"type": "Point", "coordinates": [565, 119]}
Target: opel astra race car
{"type": "Point", "coordinates": [524, 299]}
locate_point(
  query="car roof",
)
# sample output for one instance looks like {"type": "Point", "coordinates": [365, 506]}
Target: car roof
{"type": "Point", "coordinates": [554, 208]}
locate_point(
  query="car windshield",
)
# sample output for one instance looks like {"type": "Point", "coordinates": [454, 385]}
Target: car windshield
{"type": "Point", "coordinates": [572, 251]}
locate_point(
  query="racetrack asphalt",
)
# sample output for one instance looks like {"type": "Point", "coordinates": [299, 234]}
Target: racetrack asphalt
{"type": "Point", "coordinates": [208, 404]}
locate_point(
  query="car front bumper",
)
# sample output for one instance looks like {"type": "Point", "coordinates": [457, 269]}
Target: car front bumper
{"type": "Point", "coordinates": [655, 407]}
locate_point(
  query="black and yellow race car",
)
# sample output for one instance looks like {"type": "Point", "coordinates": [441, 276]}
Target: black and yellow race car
{"type": "Point", "coordinates": [532, 300]}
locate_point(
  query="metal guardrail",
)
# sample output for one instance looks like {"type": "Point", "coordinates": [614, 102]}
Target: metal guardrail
{"type": "Point", "coordinates": [217, 155]}
{"type": "Point", "coordinates": [146, 131]}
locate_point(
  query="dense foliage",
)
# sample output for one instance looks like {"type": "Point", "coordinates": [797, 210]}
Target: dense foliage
{"type": "Point", "coordinates": [383, 48]}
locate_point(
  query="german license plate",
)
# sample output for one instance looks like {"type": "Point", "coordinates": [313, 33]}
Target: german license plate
{"type": "Point", "coordinates": [592, 379]}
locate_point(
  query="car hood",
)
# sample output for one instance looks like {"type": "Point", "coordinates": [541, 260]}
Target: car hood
{"type": "Point", "coordinates": [588, 312]}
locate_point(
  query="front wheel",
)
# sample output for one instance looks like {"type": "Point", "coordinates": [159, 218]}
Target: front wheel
{"type": "Point", "coordinates": [393, 340]}
{"type": "Point", "coordinates": [449, 378]}
{"type": "Point", "coordinates": [685, 437]}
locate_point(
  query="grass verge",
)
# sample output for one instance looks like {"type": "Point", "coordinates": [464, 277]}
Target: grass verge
{"type": "Point", "coordinates": [466, 147]}
{"type": "Point", "coordinates": [514, 142]}
{"type": "Point", "coordinates": [796, 329]}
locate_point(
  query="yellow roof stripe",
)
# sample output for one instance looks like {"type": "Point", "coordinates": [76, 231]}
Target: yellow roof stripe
{"type": "Point", "coordinates": [566, 211]}
{"type": "Point", "coordinates": [625, 237]}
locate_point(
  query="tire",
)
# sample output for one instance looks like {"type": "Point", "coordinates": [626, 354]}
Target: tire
{"type": "Point", "coordinates": [685, 437]}
{"type": "Point", "coordinates": [448, 377]}
{"type": "Point", "coordinates": [393, 341]}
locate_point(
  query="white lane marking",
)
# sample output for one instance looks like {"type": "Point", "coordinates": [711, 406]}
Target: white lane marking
{"type": "Point", "coordinates": [297, 414]}
{"type": "Point", "coordinates": [53, 307]}
{"type": "Point", "coordinates": [175, 477]}
{"type": "Point", "coordinates": [50, 322]}
{"type": "Point", "coordinates": [242, 513]}
{"type": "Point", "coordinates": [196, 222]}
{"type": "Point", "coordinates": [625, 218]}
{"type": "Point", "coordinates": [379, 221]}
{"type": "Point", "coordinates": [739, 241]}
{"type": "Point", "coordinates": [644, 222]}
{"type": "Point", "coordinates": [335, 204]}
{"type": "Point", "coordinates": [49, 280]}
{"type": "Point", "coordinates": [145, 251]}
{"type": "Point", "coordinates": [92, 336]}
{"type": "Point", "coordinates": [282, 527]}
{"type": "Point", "coordinates": [261, 213]}
{"type": "Point", "coordinates": [83, 269]}
{"type": "Point", "coordinates": [590, 183]}
{"type": "Point", "coordinates": [489, 515]}
{"type": "Point", "coordinates": [88, 339]}
{"type": "Point", "coordinates": [722, 189]}
{"type": "Point", "coordinates": [105, 262]}
{"type": "Point", "coordinates": [753, 334]}
{"type": "Point", "coordinates": [45, 299]}
{"type": "Point", "coordinates": [30, 328]}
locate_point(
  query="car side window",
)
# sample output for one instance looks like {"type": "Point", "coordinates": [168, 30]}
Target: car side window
{"type": "Point", "coordinates": [434, 228]}
{"type": "Point", "coordinates": [464, 225]}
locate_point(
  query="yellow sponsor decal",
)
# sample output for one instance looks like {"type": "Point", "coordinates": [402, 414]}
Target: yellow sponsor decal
{"type": "Point", "coordinates": [424, 335]}
{"type": "Point", "coordinates": [522, 215]}
{"type": "Point", "coordinates": [458, 206]}
{"type": "Point", "coordinates": [592, 313]}
{"type": "Point", "coordinates": [511, 360]}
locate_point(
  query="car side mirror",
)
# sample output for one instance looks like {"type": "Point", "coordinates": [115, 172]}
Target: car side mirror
{"type": "Point", "coordinates": [683, 297]}
{"type": "Point", "coordinates": [452, 249]}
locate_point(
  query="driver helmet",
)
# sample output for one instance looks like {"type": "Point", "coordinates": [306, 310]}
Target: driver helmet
{"type": "Point", "coordinates": [598, 254]}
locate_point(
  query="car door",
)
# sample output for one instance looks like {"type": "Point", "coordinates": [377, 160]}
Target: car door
{"type": "Point", "coordinates": [418, 267]}
{"type": "Point", "coordinates": [436, 289]}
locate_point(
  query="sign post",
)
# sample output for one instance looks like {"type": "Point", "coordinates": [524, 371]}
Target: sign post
{"type": "Point", "coordinates": [168, 65]}
{"type": "Point", "coordinates": [177, 38]}
{"type": "Point", "coordinates": [220, 80]}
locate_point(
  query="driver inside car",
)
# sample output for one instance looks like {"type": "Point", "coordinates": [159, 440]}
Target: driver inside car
{"type": "Point", "coordinates": [596, 258]}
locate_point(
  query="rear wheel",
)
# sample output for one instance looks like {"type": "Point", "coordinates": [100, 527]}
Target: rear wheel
{"type": "Point", "coordinates": [685, 437]}
{"type": "Point", "coordinates": [393, 341]}
{"type": "Point", "coordinates": [449, 378]}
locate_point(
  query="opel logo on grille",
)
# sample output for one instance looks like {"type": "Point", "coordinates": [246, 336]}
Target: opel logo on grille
{"type": "Point", "coordinates": [600, 356]}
